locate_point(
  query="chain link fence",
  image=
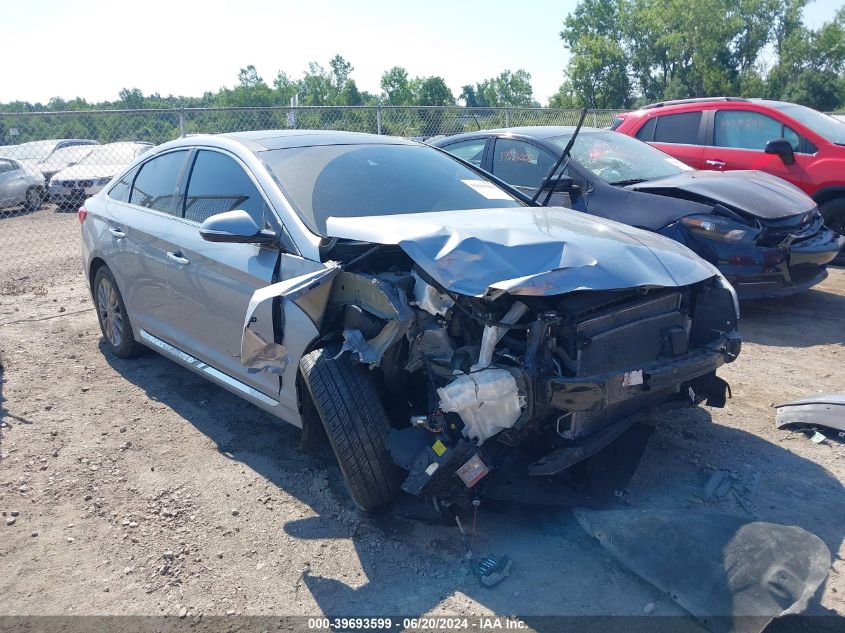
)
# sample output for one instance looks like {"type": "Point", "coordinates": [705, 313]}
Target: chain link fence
{"type": "Point", "coordinates": [51, 161]}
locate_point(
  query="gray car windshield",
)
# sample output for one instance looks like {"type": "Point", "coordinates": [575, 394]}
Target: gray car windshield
{"type": "Point", "coordinates": [620, 159]}
{"type": "Point", "coordinates": [365, 180]}
{"type": "Point", "coordinates": [825, 126]}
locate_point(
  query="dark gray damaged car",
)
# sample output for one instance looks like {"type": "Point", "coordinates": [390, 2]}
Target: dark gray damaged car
{"type": "Point", "coordinates": [430, 320]}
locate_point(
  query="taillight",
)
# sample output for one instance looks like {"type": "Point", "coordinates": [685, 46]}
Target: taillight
{"type": "Point", "coordinates": [82, 214]}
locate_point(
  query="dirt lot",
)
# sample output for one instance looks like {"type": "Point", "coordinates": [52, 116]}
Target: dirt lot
{"type": "Point", "coordinates": [135, 487]}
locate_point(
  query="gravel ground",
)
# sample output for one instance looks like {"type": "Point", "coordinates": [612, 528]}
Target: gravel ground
{"type": "Point", "coordinates": [136, 487]}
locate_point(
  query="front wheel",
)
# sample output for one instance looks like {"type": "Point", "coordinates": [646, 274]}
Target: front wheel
{"type": "Point", "coordinates": [34, 199]}
{"type": "Point", "coordinates": [833, 212]}
{"type": "Point", "coordinates": [347, 401]}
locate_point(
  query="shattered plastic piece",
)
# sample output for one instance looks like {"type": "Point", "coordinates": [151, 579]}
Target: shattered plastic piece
{"type": "Point", "coordinates": [632, 378]}
{"type": "Point", "coordinates": [491, 571]}
{"type": "Point", "coordinates": [494, 333]}
{"type": "Point", "coordinates": [817, 438]}
{"type": "Point", "coordinates": [733, 575]}
{"type": "Point", "coordinates": [487, 401]}
{"type": "Point", "coordinates": [822, 411]}
{"type": "Point", "coordinates": [429, 299]}
{"type": "Point", "coordinates": [258, 354]}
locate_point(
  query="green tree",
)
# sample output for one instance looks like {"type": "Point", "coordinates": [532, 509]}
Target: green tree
{"type": "Point", "coordinates": [506, 89]}
{"type": "Point", "coordinates": [433, 91]}
{"type": "Point", "coordinates": [396, 88]}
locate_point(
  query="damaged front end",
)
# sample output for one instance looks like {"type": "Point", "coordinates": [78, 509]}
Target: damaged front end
{"type": "Point", "coordinates": [468, 380]}
{"type": "Point", "coordinates": [493, 335]}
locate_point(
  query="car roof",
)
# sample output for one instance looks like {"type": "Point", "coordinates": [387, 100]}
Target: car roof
{"type": "Point", "coordinates": [260, 140]}
{"type": "Point", "coordinates": [536, 131]}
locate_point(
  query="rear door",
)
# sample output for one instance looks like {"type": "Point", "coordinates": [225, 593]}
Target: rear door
{"type": "Point", "coordinates": [738, 141]}
{"type": "Point", "coordinates": [211, 284]}
{"type": "Point", "coordinates": [140, 214]}
{"type": "Point", "coordinates": [681, 135]}
{"type": "Point", "coordinates": [523, 165]}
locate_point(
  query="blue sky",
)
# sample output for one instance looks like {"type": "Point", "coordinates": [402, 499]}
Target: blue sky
{"type": "Point", "coordinates": [93, 48]}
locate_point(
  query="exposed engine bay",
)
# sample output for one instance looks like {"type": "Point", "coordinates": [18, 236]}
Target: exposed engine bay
{"type": "Point", "coordinates": [467, 380]}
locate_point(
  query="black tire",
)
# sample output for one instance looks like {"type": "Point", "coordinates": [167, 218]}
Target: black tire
{"type": "Point", "coordinates": [34, 199]}
{"type": "Point", "coordinates": [114, 320]}
{"type": "Point", "coordinates": [833, 212]}
{"type": "Point", "coordinates": [356, 424]}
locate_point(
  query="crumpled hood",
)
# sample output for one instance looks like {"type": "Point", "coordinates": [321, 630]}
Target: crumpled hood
{"type": "Point", "coordinates": [754, 192]}
{"type": "Point", "coordinates": [529, 250]}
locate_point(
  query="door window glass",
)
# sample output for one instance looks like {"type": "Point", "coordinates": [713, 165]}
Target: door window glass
{"type": "Point", "coordinates": [521, 164]}
{"type": "Point", "coordinates": [120, 190]}
{"type": "Point", "coordinates": [678, 128]}
{"type": "Point", "coordinates": [156, 184]}
{"type": "Point", "coordinates": [646, 132]}
{"type": "Point", "coordinates": [219, 184]}
{"type": "Point", "coordinates": [472, 151]}
{"type": "Point", "coordinates": [749, 130]}
{"type": "Point", "coordinates": [6, 166]}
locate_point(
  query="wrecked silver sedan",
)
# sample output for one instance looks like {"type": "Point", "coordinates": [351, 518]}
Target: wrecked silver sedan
{"type": "Point", "coordinates": [429, 319]}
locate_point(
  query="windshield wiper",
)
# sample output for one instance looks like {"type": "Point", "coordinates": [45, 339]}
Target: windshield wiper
{"type": "Point", "coordinates": [630, 181]}
{"type": "Point", "coordinates": [566, 151]}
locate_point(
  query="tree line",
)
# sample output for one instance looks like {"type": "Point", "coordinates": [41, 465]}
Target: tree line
{"type": "Point", "coordinates": [629, 52]}
{"type": "Point", "coordinates": [623, 53]}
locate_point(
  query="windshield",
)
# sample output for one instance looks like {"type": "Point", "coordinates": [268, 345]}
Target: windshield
{"type": "Point", "coordinates": [111, 155]}
{"type": "Point", "coordinates": [365, 180]}
{"type": "Point", "coordinates": [620, 159]}
{"type": "Point", "coordinates": [825, 126]}
{"type": "Point", "coordinates": [67, 155]}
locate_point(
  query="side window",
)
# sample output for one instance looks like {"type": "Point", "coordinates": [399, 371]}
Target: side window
{"type": "Point", "coordinates": [646, 132]}
{"type": "Point", "coordinates": [749, 130]}
{"type": "Point", "coordinates": [6, 166]}
{"type": "Point", "coordinates": [521, 164]}
{"type": "Point", "coordinates": [220, 184]}
{"type": "Point", "coordinates": [471, 151]}
{"type": "Point", "coordinates": [155, 185]}
{"type": "Point", "coordinates": [678, 128]}
{"type": "Point", "coordinates": [120, 190]}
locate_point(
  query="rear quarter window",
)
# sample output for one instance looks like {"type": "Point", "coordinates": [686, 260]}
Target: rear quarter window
{"type": "Point", "coordinates": [678, 128]}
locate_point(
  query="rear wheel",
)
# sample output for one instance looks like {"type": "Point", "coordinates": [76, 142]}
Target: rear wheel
{"type": "Point", "coordinates": [111, 313]}
{"type": "Point", "coordinates": [347, 402]}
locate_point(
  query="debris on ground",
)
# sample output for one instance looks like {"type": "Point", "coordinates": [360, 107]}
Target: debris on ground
{"type": "Point", "coordinates": [732, 574]}
{"type": "Point", "coordinates": [819, 417]}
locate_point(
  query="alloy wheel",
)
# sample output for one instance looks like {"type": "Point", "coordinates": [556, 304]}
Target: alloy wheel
{"type": "Point", "coordinates": [111, 316]}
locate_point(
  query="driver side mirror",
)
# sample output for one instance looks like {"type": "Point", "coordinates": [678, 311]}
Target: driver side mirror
{"type": "Point", "coordinates": [563, 184]}
{"type": "Point", "coordinates": [782, 148]}
{"type": "Point", "coordinates": [236, 227]}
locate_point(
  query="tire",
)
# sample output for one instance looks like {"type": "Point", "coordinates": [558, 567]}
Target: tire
{"type": "Point", "coordinates": [34, 199]}
{"type": "Point", "coordinates": [111, 313]}
{"type": "Point", "coordinates": [833, 212]}
{"type": "Point", "coordinates": [347, 402]}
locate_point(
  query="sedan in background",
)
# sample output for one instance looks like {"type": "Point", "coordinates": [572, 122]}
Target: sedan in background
{"type": "Point", "coordinates": [765, 235]}
{"type": "Point", "coordinates": [70, 186]}
{"type": "Point", "coordinates": [63, 158]}
{"type": "Point", "coordinates": [20, 185]}
{"type": "Point", "coordinates": [37, 151]}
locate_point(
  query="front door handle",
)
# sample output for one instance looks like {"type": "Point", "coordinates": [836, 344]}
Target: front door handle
{"type": "Point", "coordinates": [177, 257]}
{"type": "Point", "coordinates": [117, 233]}
{"type": "Point", "coordinates": [716, 163]}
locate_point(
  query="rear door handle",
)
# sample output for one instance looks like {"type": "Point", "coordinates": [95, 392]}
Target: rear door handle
{"type": "Point", "coordinates": [177, 257]}
{"type": "Point", "coordinates": [716, 163]}
{"type": "Point", "coordinates": [117, 233]}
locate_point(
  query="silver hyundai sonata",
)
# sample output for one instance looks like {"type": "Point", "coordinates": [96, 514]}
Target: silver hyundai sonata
{"type": "Point", "coordinates": [434, 322]}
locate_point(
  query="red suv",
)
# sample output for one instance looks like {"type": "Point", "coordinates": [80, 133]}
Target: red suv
{"type": "Point", "coordinates": [792, 141]}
